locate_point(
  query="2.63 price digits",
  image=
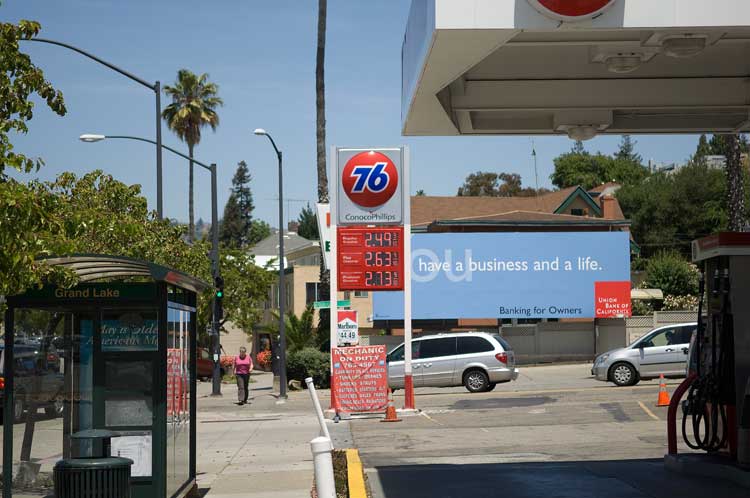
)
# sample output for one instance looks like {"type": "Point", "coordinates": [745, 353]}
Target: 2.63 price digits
{"type": "Point", "coordinates": [381, 258]}
{"type": "Point", "coordinates": [381, 279]}
{"type": "Point", "coordinates": [381, 239]}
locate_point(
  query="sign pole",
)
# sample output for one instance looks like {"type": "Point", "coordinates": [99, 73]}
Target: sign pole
{"type": "Point", "coordinates": [333, 279]}
{"type": "Point", "coordinates": [408, 379]}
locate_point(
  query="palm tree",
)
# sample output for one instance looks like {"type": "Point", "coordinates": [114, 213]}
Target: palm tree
{"type": "Point", "coordinates": [194, 103]}
{"type": "Point", "coordinates": [320, 135]}
{"type": "Point", "coordinates": [735, 185]}
{"type": "Point", "coordinates": [299, 330]}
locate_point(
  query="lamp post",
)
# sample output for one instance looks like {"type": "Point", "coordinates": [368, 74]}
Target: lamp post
{"type": "Point", "coordinates": [156, 87]}
{"type": "Point", "coordinates": [215, 270]}
{"type": "Point", "coordinates": [282, 287]}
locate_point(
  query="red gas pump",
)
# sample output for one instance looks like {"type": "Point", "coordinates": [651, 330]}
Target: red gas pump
{"type": "Point", "coordinates": [716, 411]}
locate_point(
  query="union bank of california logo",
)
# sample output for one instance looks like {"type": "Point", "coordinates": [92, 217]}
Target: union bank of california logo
{"type": "Point", "coordinates": [369, 179]}
{"type": "Point", "coordinates": [571, 10]}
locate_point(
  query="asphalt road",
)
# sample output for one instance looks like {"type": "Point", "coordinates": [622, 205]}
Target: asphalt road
{"type": "Point", "coordinates": [556, 432]}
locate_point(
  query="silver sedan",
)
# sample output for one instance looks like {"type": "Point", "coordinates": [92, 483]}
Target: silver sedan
{"type": "Point", "coordinates": [663, 350]}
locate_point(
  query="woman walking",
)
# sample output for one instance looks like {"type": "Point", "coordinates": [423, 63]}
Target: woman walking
{"type": "Point", "coordinates": [243, 365]}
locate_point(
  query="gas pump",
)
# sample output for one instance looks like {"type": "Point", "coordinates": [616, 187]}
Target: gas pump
{"type": "Point", "coordinates": [716, 412]}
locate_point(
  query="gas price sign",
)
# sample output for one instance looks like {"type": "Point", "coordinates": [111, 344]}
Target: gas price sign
{"type": "Point", "coordinates": [370, 258]}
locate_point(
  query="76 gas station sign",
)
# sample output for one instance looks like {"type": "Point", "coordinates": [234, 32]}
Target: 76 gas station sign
{"type": "Point", "coordinates": [571, 10]}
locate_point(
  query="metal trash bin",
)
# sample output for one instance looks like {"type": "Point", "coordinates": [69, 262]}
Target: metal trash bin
{"type": "Point", "coordinates": [95, 475]}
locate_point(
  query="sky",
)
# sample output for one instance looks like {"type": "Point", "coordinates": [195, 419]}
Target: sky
{"type": "Point", "coordinates": [262, 56]}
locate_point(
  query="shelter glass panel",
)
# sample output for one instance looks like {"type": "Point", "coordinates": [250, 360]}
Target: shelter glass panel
{"type": "Point", "coordinates": [178, 397]}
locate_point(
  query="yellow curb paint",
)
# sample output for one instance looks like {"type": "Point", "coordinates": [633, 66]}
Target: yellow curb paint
{"type": "Point", "coordinates": [648, 412]}
{"type": "Point", "coordinates": [355, 474]}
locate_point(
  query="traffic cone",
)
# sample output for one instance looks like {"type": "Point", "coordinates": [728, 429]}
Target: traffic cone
{"type": "Point", "coordinates": [390, 411]}
{"type": "Point", "coordinates": [663, 394]}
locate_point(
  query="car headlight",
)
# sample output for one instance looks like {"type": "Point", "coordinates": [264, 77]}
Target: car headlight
{"type": "Point", "coordinates": [602, 359]}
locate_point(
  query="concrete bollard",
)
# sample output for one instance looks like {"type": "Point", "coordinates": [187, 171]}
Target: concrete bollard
{"type": "Point", "coordinates": [318, 409]}
{"type": "Point", "coordinates": [323, 464]}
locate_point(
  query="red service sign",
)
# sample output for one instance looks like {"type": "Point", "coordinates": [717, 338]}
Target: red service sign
{"type": "Point", "coordinates": [360, 379]}
{"type": "Point", "coordinates": [571, 9]}
{"type": "Point", "coordinates": [612, 299]}
{"type": "Point", "coordinates": [370, 258]}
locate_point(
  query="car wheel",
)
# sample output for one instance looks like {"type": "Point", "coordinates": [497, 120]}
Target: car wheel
{"type": "Point", "coordinates": [491, 386]}
{"type": "Point", "coordinates": [623, 374]}
{"type": "Point", "coordinates": [18, 408]}
{"type": "Point", "coordinates": [476, 381]}
{"type": "Point", "coordinates": [56, 408]}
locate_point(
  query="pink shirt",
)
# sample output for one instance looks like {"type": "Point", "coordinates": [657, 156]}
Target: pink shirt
{"type": "Point", "coordinates": [242, 366]}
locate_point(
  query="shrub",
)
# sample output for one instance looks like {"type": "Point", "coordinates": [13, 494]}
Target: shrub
{"type": "Point", "coordinates": [680, 303]}
{"type": "Point", "coordinates": [669, 272]}
{"type": "Point", "coordinates": [309, 362]}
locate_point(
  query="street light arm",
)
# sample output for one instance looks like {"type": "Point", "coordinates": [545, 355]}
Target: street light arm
{"type": "Point", "coordinates": [170, 149]}
{"type": "Point", "coordinates": [278, 152]}
{"type": "Point", "coordinates": [133, 77]}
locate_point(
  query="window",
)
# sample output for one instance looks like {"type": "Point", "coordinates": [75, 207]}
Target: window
{"type": "Point", "coordinates": [686, 334]}
{"type": "Point", "coordinates": [504, 343]}
{"type": "Point", "coordinates": [468, 345]}
{"type": "Point", "coordinates": [347, 295]}
{"type": "Point", "coordinates": [398, 353]}
{"type": "Point", "coordinates": [659, 339]}
{"type": "Point", "coordinates": [360, 293]}
{"type": "Point", "coordinates": [433, 348]}
{"type": "Point", "coordinates": [311, 292]}
{"type": "Point", "coordinates": [576, 212]}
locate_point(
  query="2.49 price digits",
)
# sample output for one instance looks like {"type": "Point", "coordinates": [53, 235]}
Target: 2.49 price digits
{"type": "Point", "coordinates": [381, 278]}
{"type": "Point", "coordinates": [381, 258]}
{"type": "Point", "coordinates": [381, 239]}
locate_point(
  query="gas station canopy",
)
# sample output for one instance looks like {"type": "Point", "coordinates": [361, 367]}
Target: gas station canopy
{"type": "Point", "coordinates": [578, 67]}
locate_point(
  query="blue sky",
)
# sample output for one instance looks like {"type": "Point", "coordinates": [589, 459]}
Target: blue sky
{"type": "Point", "coordinates": [262, 55]}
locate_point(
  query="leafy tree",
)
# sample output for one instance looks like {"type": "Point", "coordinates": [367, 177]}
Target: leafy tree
{"type": "Point", "coordinates": [589, 170]}
{"type": "Point", "coordinates": [626, 152]}
{"type": "Point", "coordinates": [237, 222]}
{"type": "Point", "coordinates": [194, 104]}
{"type": "Point", "coordinates": [27, 230]}
{"type": "Point", "coordinates": [485, 183]}
{"type": "Point", "coordinates": [670, 272]}
{"type": "Point", "coordinates": [259, 230]}
{"type": "Point", "coordinates": [668, 211]}
{"type": "Point", "coordinates": [308, 224]}
{"type": "Point", "coordinates": [420, 193]}
{"type": "Point", "coordinates": [702, 150]}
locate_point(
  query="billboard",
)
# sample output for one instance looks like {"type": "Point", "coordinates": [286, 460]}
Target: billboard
{"type": "Point", "coordinates": [511, 275]}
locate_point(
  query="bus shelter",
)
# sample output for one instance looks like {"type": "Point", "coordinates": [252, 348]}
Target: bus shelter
{"type": "Point", "coordinates": [116, 353]}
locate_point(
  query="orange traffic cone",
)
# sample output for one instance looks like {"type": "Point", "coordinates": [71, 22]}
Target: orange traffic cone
{"type": "Point", "coordinates": [663, 394]}
{"type": "Point", "coordinates": [390, 411]}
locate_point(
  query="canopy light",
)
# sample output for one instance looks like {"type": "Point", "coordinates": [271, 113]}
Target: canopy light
{"type": "Point", "coordinates": [582, 132]}
{"type": "Point", "coordinates": [683, 46]}
{"type": "Point", "coordinates": [623, 63]}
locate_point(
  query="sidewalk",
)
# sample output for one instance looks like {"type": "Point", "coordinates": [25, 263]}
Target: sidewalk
{"type": "Point", "coordinates": [257, 450]}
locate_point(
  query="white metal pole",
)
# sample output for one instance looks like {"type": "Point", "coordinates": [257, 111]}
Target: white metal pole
{"type": "Point", "coordinates": [318, 410]}
{"type": "Point", "coordinates": [408, 379]}
{"type": "Point", "coordinates": [323, 463]}
{"type": "Point", "coordinates": [333, 191]}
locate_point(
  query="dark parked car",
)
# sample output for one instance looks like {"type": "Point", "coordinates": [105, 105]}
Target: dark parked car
{"type": "Point", "coordinates": [37, 378]}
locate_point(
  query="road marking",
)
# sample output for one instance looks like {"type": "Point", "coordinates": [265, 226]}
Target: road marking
{"type": "Point", "coordinates": [429, 418]}
{"type": "Point", "coordinates": [648, 412]}
{"type": "Point", "coordinates": [483, 429]}
{"type": "Point", "coordinates": [496, 394]}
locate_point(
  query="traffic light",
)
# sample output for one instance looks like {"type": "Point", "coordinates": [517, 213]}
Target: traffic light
{"type": "Point", "coordinates": [219, 297]}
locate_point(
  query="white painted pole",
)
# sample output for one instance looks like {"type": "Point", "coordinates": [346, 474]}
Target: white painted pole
{"type": "Point", "coordinates": [318, 410]}
{"type": "Point", "coordinates": [323, 465]}
{"type": "Point", "coordinates": [333, 191]}
{"type": "Point", "coordinates": [408, 379]}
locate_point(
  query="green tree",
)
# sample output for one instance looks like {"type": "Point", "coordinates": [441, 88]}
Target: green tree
{"type": "Point", "coordinates": [670, 272]}
{"type": "Point", "coordinates": [259, 230]}
{"type": "Point", "coordinates": [237, 221]}
{"type": "Point", "coordinates": [194, 104]}
{"type": "Point", "coordinates": [626, 151]}
{"type": "Point", "coordinates": [27, 229]}
{"type": "Point", "coordinates": [702, 150]}
{"type": "Point", "coordinates": [489, 184]}
{"type": "Point", "coordinates": [420, 193]}
{"type": "Point", "coordinates": [308, 224]}
{"type": "Point", "coordinates": [590, 170]}
{"type": "Point", "coordinates": [668, 211]}
{"type": "Point", "coordinates": [300, 332]}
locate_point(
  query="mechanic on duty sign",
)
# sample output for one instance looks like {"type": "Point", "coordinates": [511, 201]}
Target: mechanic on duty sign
{"type": "Point", "coordinates": [360, 379]}
{"type": "Point", "coordinates": [370, 186]}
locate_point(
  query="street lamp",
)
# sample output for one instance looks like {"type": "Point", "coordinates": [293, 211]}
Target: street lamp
{"type": "Point", "coordinates": [282, 287]}
{"type": "Point", "coordinates": [156, 87]}
{"type": "Point", "coordinates": [215, 272]}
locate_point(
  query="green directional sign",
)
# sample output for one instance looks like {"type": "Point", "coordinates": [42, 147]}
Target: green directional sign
{"type": "Point", "coordinates": [346, 303]}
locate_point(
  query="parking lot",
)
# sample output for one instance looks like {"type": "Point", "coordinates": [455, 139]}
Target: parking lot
{"type": "Point", "coordinates": [554, 432]}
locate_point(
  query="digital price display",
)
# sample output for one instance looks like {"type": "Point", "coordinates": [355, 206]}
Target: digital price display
{"type": "Point", "coordinates": [370, 258]}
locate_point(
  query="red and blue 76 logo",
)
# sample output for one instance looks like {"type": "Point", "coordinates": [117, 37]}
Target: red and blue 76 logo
{"type": "Point", "coordinates": [370, 179]}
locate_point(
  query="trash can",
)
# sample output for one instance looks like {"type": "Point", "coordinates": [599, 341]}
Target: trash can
{"type": "Point", "coordinates": [94, 474]}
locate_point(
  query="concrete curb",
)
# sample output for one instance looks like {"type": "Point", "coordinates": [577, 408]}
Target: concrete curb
{"type": "Point", "coordinates": [355, 475]}
{"type": "Point", "coordinates": [707, 466]}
